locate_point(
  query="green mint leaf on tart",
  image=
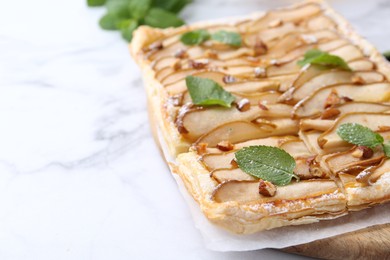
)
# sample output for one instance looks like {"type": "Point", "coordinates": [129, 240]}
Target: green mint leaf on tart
{"type": "Point", "coordinates": [207, 92]}
{"type": "Point", "coordinates": [229, 38]}
{"type": "Point", "coordinates": [357, 134]}
{"type": "Point", "coordinates": [93, 3]}
{"type": "Point", "coordinates": [386, 149]}
{"type": "Point", "coordinates": [317, 57]}
{"type": "Point", "coordinates": [160, 18]}
{"type": "Point", "coordinates": [174, 6]}
{"type": "Point", "coordinates": [195, 37]}
{"type": "Point", "coordinates": [127, 28]}
{"type": "Point", "coordinates": [119, 8]}
{"type": "Point", "coordinates": [387, 55]}
{"type": "Point", "coordinates": [139, 9]}
{"type": "Point", "coordinates": [267, 163]}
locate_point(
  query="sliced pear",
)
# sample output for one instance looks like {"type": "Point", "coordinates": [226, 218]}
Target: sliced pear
{"type": "Point", "coordinates": [348, 52]}
{"type": "Point", "coordinates": [199, 122]}
{"type": "Point", "coordinates": [310, 139]}
{"type": "Point", "coordinates": [361, 65]}
{"type": "Point", "coordinates": [267, 97]}
{"type": "Point", "coordinates": [321, 22]}
{"type": "Point", "coordinates": [315, 124]}
{"type": "Point", "coordinates": [313, 105]}
{"type": "Point", "coordinates": [215, 161]}
{"type": "Point", "coordinates": [330, 141]}
{"type": "Point", "coordinates": [296, 148]}
{"type": "Point", "coordinates": [350, 107]}
{"type": "Point", "coordinates": [247, 191]}
{"type": "Point", "coordinates": [222, 175]}
{"type": "Point", "coordinates": [287, 15]}
{"type": "Point", "coordinates": [326, 78]}
{"type": "Point", "coordinates": [370, 176]}
{"type": "Point", "coordinates": [239, 131]}
{"type": "Point", "coordinates": [344, 161]}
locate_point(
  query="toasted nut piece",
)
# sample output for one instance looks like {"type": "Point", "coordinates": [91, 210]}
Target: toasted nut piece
{"type": "Point", "coordinates": [383, 128]}
{"type": "Point", "coordinates": [176, 100]}
{"type": "Point", "coordinates": [228, 79]}
{"type": "Point", "coordinates": [181, 54]}
{"type": "Point", "coordinates": [356, 79]}
{"type": "Point", "coordinates": [262, 106]}
{"type": "Point", "coordinates": [260, 48]}
{"type": "Point", "coordinates": [154, 46]}
{"type": "Point", "coordinates": [332, 99]}
{"type": "Point", "coordinates": [225, 146]}
{"type": "Point", "coordinates": [275, 23]}
{"type": "Point", "coordinates": [260, 72]}
{"type": "Point", "coordinates": [363, 152]}
{"type": "Point", "coordinates": [330, 112]}
{"type": "Point", "coordinates": [211, 54]}
{"type": "Point", "coordinates": [267, 189]}
{"type": "Point", "coordinates": [234, 163]}
{"type": "Point", "coordinates": [243, 105]}
{"type": "Point", "coordinates": [198, 64]}
{"type": "Point", "coordinates": [201, 148]}
{"type": "Point", "coordinates": [177, 65]}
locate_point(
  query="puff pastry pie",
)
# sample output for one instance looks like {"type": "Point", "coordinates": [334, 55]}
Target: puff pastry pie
{"type": "Point", "coordinates": [277, 103]}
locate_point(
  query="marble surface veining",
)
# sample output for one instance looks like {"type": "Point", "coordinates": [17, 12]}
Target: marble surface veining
{"type": "Point", "coordinates": [80, 175]}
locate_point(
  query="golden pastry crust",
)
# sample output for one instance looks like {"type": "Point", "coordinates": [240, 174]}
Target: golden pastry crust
{"type": "Point", "coordinates": [328, 189]}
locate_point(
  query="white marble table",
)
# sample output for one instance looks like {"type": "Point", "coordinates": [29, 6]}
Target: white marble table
{"type": "Point", "coordinates": [80, 176]}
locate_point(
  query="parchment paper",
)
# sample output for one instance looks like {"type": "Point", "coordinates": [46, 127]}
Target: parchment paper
{"type": "Point", "coordinates": [218, 239]}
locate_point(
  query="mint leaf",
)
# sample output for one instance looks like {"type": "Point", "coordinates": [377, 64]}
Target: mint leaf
{"type": "Point", "coordinates": [127, 28]}
{"type": "Point", "coordinates": [195, 37]}
{"type": "Point", "coordinates": [174, 6]}
{"type": "Point", "coordinates": [387, 55]}
{"type": "Point", "coordinates": [359, 135]}
{"type": "Point", "coordinates": [386, 149]}
{"type": "Point", "coordinates": [208, 92]}
{"type": "Point", "coordinates": [157, 17]}
{"type": "Point", "coordinates": [138, 9]}
{"type": "Point", "coordinates": [267, 163]}
{"type": "Point", "coordinates": [119, 8]}
{"type": "Point", "coordinates": [109, 22]}
{"type": "Point", "coordinates": [317, 57]}
{"type": "Point", "coordinates": [93, 3]}
{"type": "Point", "coordinates": [229, 38]}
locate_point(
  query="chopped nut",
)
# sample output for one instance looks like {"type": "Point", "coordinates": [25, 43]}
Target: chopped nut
{"type": "Point", "coordinates": [234, 163]}
{"type": "Point", "coordinates": [211, 54]}
{"type": "Point", "coordinates": [267, 189]}
{"type": "Point", "coordinates": [201, 148]}
{"type": "Point", "coordinates": [243, 105]}
{"type": "Point", "coordinates": [262, 106]}
{"type": "Point", "coordinates": [275, 62]}
{"type": "Point", "coordinates": [330, 113]}
{"type": "Point", "coordinates": [181, 54]}
{"type": "Point", "coordinates": [260, 48]}
{"type": "Point", "coordinates": [346, 99]}
{"type": "Point", "coordinates": [155, 46]}
{"type": "Point", "coordinates": [383, 128]}
{"type": "Point", "coordinates": [198, 64]}
{"type": "Point", "coordinates": [308, 39]}
{"type": "Point", "coordinates": [176, 100]}
{"type": "Point", "coordinates": [310, 160]}
{"type": "Point", "coordinates": [363, 152]}
{"type": "Point", "coordinates": [332, 99]}
{"type": "Point", "coordinates": [260, 72]}
{"type": "Point", "coordinates": [228, 79]}
{"type": "Point", "coordinates": [358, 80]}
{"type": "Point", "coordinates": [177, 65]}
{"type": "Point", "coordinates": [364, 176]}
{"type": "Point", "coordinates": [275, 23]}
{"type": "Point", "coordinates": [225, 146]}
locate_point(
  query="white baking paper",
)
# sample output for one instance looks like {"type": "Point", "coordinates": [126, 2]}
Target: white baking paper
{"type": "Point", "coordinates": [218, 239]}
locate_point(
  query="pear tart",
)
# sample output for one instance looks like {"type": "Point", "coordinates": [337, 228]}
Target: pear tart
{"type": "Point", "coordinates": [277, 103]}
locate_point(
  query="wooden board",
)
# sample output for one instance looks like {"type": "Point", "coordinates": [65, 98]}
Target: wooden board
{"type": "Point", "coordinates": [368, 243]}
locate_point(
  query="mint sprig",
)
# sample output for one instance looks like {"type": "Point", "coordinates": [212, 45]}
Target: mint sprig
{"type": "Point", "coordinates": [268, 163]}
{"type": "Point", "coordinates": [317, 57]}
{"type": "Point", "coordinates": [197, 37]}
{"type": "Point", "coordinates": [358, 134]}
{"type": "Point", "coordinates": [207, 92]}
{"type": "Point", "coordinates": [229, 38]}
{"type": "Point", "coordinates": [127, 15]}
